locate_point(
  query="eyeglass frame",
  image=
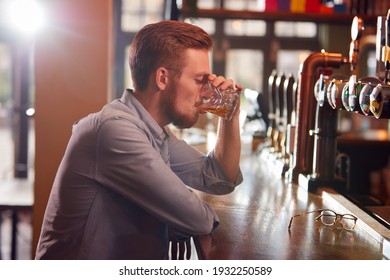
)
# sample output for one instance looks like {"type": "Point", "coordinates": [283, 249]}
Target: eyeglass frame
{"type": "Point", "coordinates": [338, 217]}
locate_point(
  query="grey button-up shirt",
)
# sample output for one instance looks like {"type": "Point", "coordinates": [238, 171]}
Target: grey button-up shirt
{"type": "Point", "coordinates": [122, 183]}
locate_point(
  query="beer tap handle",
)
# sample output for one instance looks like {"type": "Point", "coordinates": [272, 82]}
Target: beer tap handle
{"type": "Point", "coordinates": [386, 51]}
{"type": "Point", "coordinates": [289, 97]}
{"type": "Point", "coordinates": [356, 32]}
{"type": "Point", "coordinates": [376, 104]}
{"type": "Point", "coordinates": [271, 107]}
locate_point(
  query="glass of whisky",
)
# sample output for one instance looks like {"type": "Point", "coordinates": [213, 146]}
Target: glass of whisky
{"type": "Point", "coordinates": [222, 103]}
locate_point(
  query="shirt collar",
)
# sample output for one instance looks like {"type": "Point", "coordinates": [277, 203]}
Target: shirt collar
{"type": "Point", "coordinates": [130, 101]}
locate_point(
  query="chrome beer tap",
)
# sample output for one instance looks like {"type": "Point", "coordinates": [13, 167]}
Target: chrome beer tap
{"type": "Point", "coordinates": [314, 157]}
{"type": "Point", "coordinates": [306, 110]}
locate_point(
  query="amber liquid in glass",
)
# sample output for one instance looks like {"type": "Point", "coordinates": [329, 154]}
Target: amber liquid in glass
{"type": "Point", "coordinates": [221, 111]}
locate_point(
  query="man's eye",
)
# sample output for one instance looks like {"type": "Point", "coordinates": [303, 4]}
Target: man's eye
{"type": "Point", "coordinates": [198, 81]}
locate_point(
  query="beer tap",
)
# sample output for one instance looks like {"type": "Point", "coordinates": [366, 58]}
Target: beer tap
{"type": "Point", "coordinates": [325, 132]}
{"type": "Point", "coordinates": [375, 95]}
{"type": "Point", "coordinates": [292, 94]}
{"type": "Point", "coordinates": [356, 30]}
{"type": "Point", "coordinates": [335, 91]}
{"type": "Point", "coordinates": [271, 131]}
{"type": "Point", "coordinates": [380, 102]}
{"type": "Point", "coordinates": [320, 88]}
{"type": "Point", "coordinates": [367, 85]}
{"type": "Point", "coordinates": [314, 157]}
{"type": "Point", "coordinates": [349, 96]}
{"type": "Point", "coordinates": [279, 104]}
{"type": "Point", "coordinates": [364, 99]}
{"type": "Point", "coordinates": [303, 144]}
{"type": "Point", "coordinates": [386, 52]}
{"type": "Point", "coordinates": [288, 112]}
{"type": "Point", "coordinates": [354, 89]}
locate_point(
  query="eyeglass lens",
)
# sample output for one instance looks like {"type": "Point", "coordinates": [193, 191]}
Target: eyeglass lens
{"type": "Point", "coordinates": [329, 218]}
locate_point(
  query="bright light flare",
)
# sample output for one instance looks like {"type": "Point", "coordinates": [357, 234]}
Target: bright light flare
{"type": "Point", "coordinates": [26, 16]}
{"type": "Point", "coordinates": [30, 112]}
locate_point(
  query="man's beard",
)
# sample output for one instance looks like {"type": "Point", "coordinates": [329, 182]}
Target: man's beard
{"type": "Point", "coordinates": [181, 120]}
{"type": "Point", "coordinates": [177, 118]}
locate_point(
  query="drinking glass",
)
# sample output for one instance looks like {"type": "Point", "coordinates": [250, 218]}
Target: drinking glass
{"type": "Point", "coordinates": [222, 103]}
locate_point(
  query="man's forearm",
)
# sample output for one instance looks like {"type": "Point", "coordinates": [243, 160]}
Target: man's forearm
{"type": "Point", "coordinates": [228, 146]}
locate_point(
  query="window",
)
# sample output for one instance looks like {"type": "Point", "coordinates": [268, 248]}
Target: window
{"type": "Point", "coordinates": [245, 67]}
{"type": "Point", "coordinates": [288, 61]}
{"type": "Point", "coordinates": [253, 5]}
{"type": "Point", "coordinates": [5, 78]}
{"type": "Point", "coordinates": [207, 24]}
{"type": "Point", "coordinates": [295, 29]}
{"type": "Point", "coordinates": [245, 27]}
{"type": "Point", "coordinates": [138, 13]}
{"type": "Point", "coordinates": [206, 4]}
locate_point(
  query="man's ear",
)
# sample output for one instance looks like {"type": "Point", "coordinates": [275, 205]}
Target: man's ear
{"type": "Point", "coordinates": [161, 78]}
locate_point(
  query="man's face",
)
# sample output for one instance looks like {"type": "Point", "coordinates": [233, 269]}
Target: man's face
{"type": "Point", "coordinates": [184, 92]}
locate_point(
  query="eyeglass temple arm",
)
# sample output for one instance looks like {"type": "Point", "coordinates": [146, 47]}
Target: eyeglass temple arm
{"type": "Point", "coordinates": [289, 225]}
{"type": "Point", "coordinates": [305, 213]}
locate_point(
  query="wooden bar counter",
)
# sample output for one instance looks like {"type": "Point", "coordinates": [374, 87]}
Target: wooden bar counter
{"type": "Point", "coordinates": [254, 223]}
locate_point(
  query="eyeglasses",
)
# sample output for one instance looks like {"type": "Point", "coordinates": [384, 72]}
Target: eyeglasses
{"type": "Point", "coordinates": [328, 218]}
